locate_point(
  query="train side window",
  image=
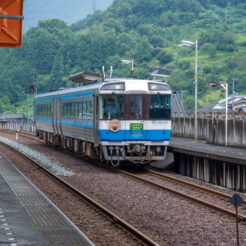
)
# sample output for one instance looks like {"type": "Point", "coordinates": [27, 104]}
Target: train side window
{"type": "Point", "coordinates": [67, 108]}
{"type": "Point", "coordinates": [84, 110]}
{"type": "Point", "coordinates": [80, 109]}
{"type": "Point", "coordinates": [48, 110]}
{"type": "Point", "coordinates": [89, 110]}
{"type": "Point", "coordinates": [75, 110]}
{"type": "Point", "coordinates": [64, 110]}
{"type": "Point", "coordinates": [70, 110]}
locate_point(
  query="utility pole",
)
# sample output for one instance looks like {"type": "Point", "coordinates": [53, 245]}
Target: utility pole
{"type": "Point", "coordinates": [233, 84]}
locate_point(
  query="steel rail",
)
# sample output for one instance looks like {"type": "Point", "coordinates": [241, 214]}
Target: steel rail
{"type": "Point", "coordinates": [224, 195]}
{"type": "Point", "coordinates": [139, 235]}
{"type": "Point", "coordinates": [199, 187]}
{"type": "Point", "coordinates": [193, 198]}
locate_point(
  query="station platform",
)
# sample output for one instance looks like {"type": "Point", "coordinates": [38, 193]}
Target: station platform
{"type": "Point", "coordinates": [202, 149]}
{"type": "Point", "coordinates": [28, 218]}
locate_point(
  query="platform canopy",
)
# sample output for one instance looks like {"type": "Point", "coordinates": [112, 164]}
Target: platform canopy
{"type": "Point", "coordinates": [85, 77]}
{"type": "Point", "coordinates": [11, 18]}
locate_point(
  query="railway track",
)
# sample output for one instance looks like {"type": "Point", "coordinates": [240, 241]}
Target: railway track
{"type": "Point", "coordinates": [24, 134]}
{"type": "Point", "coordinates": [110, 222]}
{"type": "Point", "coordinates": [204, 196]}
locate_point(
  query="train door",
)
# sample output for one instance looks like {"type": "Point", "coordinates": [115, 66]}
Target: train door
{"type": "Point", "coordinates": [136, 115]}
{"type": "Point", "coordinates": [53, 115]}
{"type": "Point", "coordinates": [95, 117]}
{"type": "Point", "coordinates": [59, 116]}
{"type": "Point", "coordinates": [55, 119]}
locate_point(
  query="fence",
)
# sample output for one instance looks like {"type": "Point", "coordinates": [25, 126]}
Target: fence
{"type": "Point", "coordinates": [23, 125]}
{"type": "Point", "coordinates": [212, 130]}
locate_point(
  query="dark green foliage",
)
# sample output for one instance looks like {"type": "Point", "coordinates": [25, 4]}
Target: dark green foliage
{"type": "Point", "coordinates": [147, 31]}
{"type": "Point", "coordinates": [164, 57]}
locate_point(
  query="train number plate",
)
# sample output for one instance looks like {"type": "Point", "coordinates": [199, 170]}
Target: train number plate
{"type": "Point", "coordinates": [136, 129]}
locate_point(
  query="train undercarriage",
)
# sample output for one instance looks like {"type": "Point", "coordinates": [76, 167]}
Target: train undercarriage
{"type": "Point", "coordinates": [135, 153]}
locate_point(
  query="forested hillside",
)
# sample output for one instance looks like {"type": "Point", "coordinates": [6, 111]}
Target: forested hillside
{"type": "Point", "coordinates": [148, 32]}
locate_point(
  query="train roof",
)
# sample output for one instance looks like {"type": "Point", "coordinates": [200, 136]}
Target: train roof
{"type": "Point", "coordinates": [130, 85]}
{"type": "Point", "coordinates": [85, 88]}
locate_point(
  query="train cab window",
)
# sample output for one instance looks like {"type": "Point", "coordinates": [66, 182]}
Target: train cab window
{"type": "Point", "coordinates": [160, 107]}
{"type": "Point", "coordinates": [136, 107]}
{"type": "Point", "coordinates": [111, 107]}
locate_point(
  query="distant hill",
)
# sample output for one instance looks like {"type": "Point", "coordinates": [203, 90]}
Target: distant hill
{"type": "Point", "coordinates": [69, 11]}
{"type": "Point", "coordinates": [146, 31]}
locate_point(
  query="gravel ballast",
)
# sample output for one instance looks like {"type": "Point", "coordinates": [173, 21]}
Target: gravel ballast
{"type": "Point", "coordinates": [163, 216]}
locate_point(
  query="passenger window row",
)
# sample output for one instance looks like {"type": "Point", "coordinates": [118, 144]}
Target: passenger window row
{"type": "Point", "coordinates": [43, 110]}
{"type": "Point", "coordinates": [81, 110]}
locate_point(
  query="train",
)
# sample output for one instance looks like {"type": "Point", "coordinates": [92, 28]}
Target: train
{"type": "Point", "coordinates": [114, 120]}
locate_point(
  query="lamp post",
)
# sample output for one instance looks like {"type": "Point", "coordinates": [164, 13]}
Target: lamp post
{"type": "Point", "coordinates": [225, 87]}
{"type": "Point", "coordinates": [195, 44]}
{"type": "Point", "coordinates": [129, 62]}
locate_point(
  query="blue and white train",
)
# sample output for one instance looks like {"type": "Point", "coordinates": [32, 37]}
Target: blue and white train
{"type": "Point", "coordinates": [111, 119]}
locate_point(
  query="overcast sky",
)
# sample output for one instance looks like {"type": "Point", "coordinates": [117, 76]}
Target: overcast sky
{"type": "Point", "coordinates": [68, 10]}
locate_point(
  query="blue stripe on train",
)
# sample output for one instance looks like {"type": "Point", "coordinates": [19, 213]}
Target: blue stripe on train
{"type": "Point", "coordinates": [122, 135]}
{"type": "Point", "coordinates": [83, 124]}
{"type": "Point", "coordinates": [127, 135]}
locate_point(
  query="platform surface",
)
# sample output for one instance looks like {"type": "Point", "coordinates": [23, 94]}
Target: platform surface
{"type": "Point", "coordinates": [202, 149]}
{"type": "Point", "coordinates": [28, 218]}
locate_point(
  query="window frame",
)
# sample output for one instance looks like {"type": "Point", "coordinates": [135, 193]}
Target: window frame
{"type": "Point", "coordinates": [124, 97]}
{"type": "Point", "coordinates": [149, 98]}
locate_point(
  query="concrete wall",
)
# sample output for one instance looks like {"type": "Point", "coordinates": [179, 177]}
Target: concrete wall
{"type": "Point", "coordinates": [229, 175]}
{"type": "Point", "coordinates": [211, 130]}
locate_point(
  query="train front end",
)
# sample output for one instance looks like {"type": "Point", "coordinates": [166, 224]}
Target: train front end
{"type": "Point", "coordinates": [134, 120]}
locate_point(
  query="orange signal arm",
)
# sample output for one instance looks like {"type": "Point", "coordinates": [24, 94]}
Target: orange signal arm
{"type": "Point", "coordinates": [11, 18]}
